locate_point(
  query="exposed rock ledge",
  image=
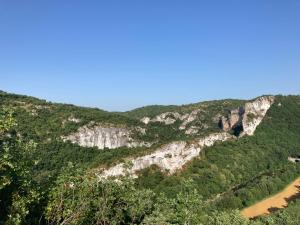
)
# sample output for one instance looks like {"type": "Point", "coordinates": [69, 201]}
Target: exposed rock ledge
{"type": "Point", "coordinates": [171, 117]}
{"type": "Point", "coordinates": [96, 135]}
{"type": "Point", "coordinates": [255, 111]}
{"type": "Point", "coordinates": [170, 157]}
{"type": "Point", "coordinates": [294, 159]}
{"type": "Point", "coordinates": [245, 120]}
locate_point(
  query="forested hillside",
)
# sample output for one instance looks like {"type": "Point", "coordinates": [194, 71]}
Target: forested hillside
{"type": "Point", "coordinates": [50, 160]}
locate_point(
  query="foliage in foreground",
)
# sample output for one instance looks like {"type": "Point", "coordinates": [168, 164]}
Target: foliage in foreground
{"type": "Point", "coordinates": [17, 191]}
{"type": "Point", "coordinates": [79, 199]}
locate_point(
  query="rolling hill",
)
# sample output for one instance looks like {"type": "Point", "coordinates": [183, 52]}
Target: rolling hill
{"type": "Point", "coordinates": [209, 159]}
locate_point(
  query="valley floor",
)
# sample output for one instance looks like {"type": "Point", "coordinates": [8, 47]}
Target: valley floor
{"type": "Point", "coordinates": [277, 201]}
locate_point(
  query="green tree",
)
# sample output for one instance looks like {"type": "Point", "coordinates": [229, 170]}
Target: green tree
{"type": "Point", "coordinates": [227, 218]}
{"type": "Point", "coordinates": [185, 208]}
{"type": "Point", "coordinates": [17, 191]}
{"type": "Point", "coordinates": [78, 198]}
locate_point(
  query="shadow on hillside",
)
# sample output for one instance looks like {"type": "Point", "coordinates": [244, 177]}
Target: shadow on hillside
{"type": "Point", "coordinates": [274, 209]}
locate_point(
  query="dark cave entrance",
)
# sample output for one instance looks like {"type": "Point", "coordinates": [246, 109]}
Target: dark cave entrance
{"type": "Point", "coordinates": [237, 130]}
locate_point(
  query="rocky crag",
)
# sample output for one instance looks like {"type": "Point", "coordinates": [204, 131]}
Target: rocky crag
{"type": "Point", "coordinates": [244, 120]}
{"type": "Point", "coordinates": [168, 158]}
{"type": "Point", "coordinates": [104, 136]}
{"type": "Point", "coordinates": [171, 117]}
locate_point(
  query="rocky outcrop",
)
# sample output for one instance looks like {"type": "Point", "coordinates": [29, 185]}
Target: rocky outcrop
{"type": "Point", "coordinates": [145, 120]}
{"type": "Point", "coordinates": [170, 157]}
{"type": "Point", "coordinates": [166, 118]}
{"type": "Point", "coordinates": [70, 119]}
{"type": "Point", "coordinates": [192, 130]}
{"type": "Point", "coordinates": [96, 135]}
{"type": "Point", "coordinates": [188, 118]}
{"type": "Point", "coordinates": [244, 120]}
{"type": "Point", "coordinates": [294, 159]}
{"type": "Point", "coordinates": [73, 119]}
{"type": "Point", "coordinates": [255, 111]}
{"type": "Point", "coordinates": [233, 119]}
{"type": "Point", "coordinates": [171, 117]}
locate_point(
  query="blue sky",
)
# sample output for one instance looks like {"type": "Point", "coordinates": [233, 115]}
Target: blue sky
{"type": "Point", "coordinates": [118, 55]}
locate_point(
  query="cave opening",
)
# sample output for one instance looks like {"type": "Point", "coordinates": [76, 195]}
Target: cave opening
{"type": "Point", "coordinates": [237, 130]}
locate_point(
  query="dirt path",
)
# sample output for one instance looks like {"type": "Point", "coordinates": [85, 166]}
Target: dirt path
{"type": "Point", "coordinates": [277, 201]}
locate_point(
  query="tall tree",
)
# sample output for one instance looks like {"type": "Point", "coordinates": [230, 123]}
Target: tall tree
{"type": "Point", "coordinates": [17, 190]}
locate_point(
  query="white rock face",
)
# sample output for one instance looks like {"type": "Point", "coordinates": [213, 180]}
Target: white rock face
{"type": "Point", "coordinates": [188, 118]}
{"type": "Point", "coordinates": [145, 120]}
{"type": "Point", "coordinates": [103, 137]}
{"type": "Point", "coordinates": [234, 118]}
{"type": "Point", "coordinates": [167, 118]}
{"type": "Point", "coordinates": [294, 159]}
{"type": "Point", "coordinates": [171, 117]}
{"type": "Point", "coordinates": [192, 130]}
{"type": "Point", "coordinates": [255, 112]}
{"type": "Point", "coordinates": [249, 116]}
{"type": "Point", "coordinates": [73, 119]}
{"type": "Point", "coordinates": [170, 157]}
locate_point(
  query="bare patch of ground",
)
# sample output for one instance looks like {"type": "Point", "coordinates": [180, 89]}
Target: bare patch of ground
{"type": "Point", "coordinates": [278, 201]}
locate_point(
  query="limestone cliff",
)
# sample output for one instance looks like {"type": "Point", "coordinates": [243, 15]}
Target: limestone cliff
{"type": "Point", "coordinates": [166, 118]}
{"type": "Point", "coordinates": [101, 136]}
{"type": "Point", "coordinates": [255, 111]}
{"type": "Point", "coordinates": [171, 117]}
{"type": "Point", "coordinates": [234, 119]}
{"type": "Point", "coordinates": [170, 157]}
{"type": "Point", "coordinates": [245, 120]}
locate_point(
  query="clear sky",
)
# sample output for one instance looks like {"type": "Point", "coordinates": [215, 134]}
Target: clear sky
{"type": "Point", "coordinates": [118, 55]}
